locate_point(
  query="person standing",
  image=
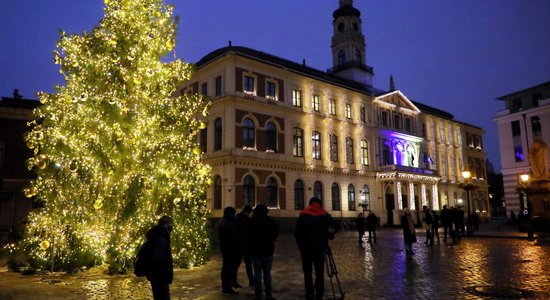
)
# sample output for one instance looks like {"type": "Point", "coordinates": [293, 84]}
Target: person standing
{"type": "Point", "coordinates": [264, 230]}
{"type": "Point", "coordinates": [312, 232]}
{"type": "Point", "coordinates": [372, 221]}
{"type": "Point", "coordinates": [427, 221]}
{"type": "Point", "coordinates": [161, 272]}
{"type": "Point", "coordinates": [243, 219]}
{"type": "Point", "coordinates": [360, 227]}
{"type": "Point", "coordinates": [435, 226]}
{"type": "Point", "coordinates": [409, 232]}
{"type": "Point", "coordinates": [231, 249]}
{"type": "Point", "coordinates": [446, 222]}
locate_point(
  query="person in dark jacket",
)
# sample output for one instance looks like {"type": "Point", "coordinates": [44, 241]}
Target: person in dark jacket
{"type": "Point", "coordinates": [446, 222]}
{"type": "Point", "coordinates": [313, 230]}
{"type": "Point", "coordinates": [243, 219]}
{"type": "Point", "coordinates": [435, 226]}
{"type": "Point", "coordinates": [360, 227]}
{"type": "Point", "coordinates": [161, 273]}
{"type": "Point", "coordinates": [231, 249]}
{"type": "Point", "coordinates": [409, 232]}
{"type": "Point", "coordinates": [372, 220]}
{"type": "Point", "coordinates": [264, 230]}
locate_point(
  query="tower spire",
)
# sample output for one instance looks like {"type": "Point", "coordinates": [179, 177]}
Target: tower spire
{"type": "Point", "coordinates": [392, 84]}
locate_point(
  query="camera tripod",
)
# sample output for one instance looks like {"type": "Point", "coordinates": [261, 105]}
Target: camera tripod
{"type": "Point", "coordinates": [332, 271]}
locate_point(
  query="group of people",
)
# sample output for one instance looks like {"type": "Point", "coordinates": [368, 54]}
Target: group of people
{"type": "Point", "coordinates": [369, 223]}
{"type": "Point", "coordinates": [250, 237]}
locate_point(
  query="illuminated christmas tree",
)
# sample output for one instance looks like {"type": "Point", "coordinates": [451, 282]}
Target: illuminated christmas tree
{"type": "Point", "coordinates": [115, 148]}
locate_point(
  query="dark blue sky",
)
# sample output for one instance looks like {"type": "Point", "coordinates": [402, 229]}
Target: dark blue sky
{"type": "Point", "coordinates": [455, 55]}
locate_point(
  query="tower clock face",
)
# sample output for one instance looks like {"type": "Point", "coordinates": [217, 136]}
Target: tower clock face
{"type": "Point", "coordinates": [341, 27]}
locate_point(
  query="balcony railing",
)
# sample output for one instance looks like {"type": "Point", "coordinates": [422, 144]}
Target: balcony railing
{"type": "Point", "coordinates": [389, 168]}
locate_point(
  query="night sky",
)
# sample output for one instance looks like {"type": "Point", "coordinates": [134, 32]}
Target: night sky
{"type": "Point", "coordinates": [454, 55]}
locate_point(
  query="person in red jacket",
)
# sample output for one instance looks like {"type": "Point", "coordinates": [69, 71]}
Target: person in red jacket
{"type": "Point", "coordinates": [313, 230]}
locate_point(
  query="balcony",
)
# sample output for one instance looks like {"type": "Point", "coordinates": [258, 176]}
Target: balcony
{"type": "Point", "coordinates": [407, 169]}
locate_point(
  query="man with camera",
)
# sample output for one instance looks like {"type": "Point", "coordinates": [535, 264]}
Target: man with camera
{"type": "Point", "coordinates": [313, 230]}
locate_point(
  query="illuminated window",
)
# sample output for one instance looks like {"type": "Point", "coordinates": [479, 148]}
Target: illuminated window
{"type": "Point", "coordinates": [349, 151]}
{"type": "Point", "coordinates": [218, 85]}
{"type": "Point", "coordinates": [249, 136]}
{"type": "Point", "coordinates": [364, 153]}
{"type": "Point", "coordinates": [271, 192]}
{"type": "Point", "coordinates": [333, 147]}
{"type": "Point", "coordinates": [271, 90]}
{"type": "Point", "coordinates": [298, 142]}
{"type": "Point", "coordinates": [315, 102]}
{"type": "Point", "coordinates": [332, 106]}
{"type": "Point", "coordinates": [318, 190]}
{"type": "Point", "coordinates": [516, 139]}
{"type": "Point", "coordinates": [299, 195]}
{"type": "Point", "coordinates": [335, 192]}
{"type": "Point", "coordinates": [217, 192]}
{"type": "Point", "coordinates": [316, 145]}
{"type": "Point", "coordinates": [351, 197]}
{"type": "Point", "coordinates": [249, 191]}
{"type": "Point", "coordinates": [249, 85]}
{"type": "Point", "coordinates": [365, 197]}
{"type": "Point", "coordinates": [297, 98]}
{"type": "Point", "coordinates": [218, 134]}
{"type": "Point", "coordinates": [348, 110]}
{"type": "Point", "coordinates": [271, 137]}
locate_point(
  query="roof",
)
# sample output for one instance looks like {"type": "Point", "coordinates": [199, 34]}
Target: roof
{"type": "Point", "coordinates": [523, 90]}
{"type": "Point", "coordinates": [310, 72]}
{"type": "Point", "coordinates": [19, 103]}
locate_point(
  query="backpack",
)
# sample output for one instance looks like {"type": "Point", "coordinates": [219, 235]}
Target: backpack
{"type": "Point", "coordinates": [142, 262]}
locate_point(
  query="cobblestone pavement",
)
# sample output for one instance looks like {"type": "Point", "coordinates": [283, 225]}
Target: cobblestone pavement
{"type": "Point", "coordinates": [479, 267]}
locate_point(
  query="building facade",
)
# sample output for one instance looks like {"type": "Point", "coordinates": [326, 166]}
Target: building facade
{"type": "Point", "coordinates": [279, 133]}
{"type": "Point", "coordinates": [525, 118]}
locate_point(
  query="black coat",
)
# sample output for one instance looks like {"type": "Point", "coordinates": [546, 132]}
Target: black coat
{"type": "Point", "coordinates": [312, 229]}
{"type": "Point", "coordinates": [409, 231]}
{"type": "Point", "coordinates": [243, 222]}
{"type": "Point", "coordinates": [228, 233]}
{"type": "Point", "coordinates": [264, 230]}
{"type": "Point", "coordinates": [162, 270]}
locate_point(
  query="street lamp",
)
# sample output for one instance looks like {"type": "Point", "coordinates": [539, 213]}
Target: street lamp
{"type": "Point", "coordinates": [467, 185]}
{"type": "Point", "coordinates": [526, 209]}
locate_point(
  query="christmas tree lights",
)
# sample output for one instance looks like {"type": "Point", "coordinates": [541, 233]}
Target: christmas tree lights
{"type": "Point", "coordinates": [115, 148]}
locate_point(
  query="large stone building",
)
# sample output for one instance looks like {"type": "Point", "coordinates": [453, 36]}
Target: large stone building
{"type": "Point", "coordinates": [280, 132]}
{"type": "Point", "coordinates": [526, 117]}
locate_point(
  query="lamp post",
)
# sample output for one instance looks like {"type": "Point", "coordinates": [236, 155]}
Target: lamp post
{"type": "Point", "coordinates": [467, 185]}
{"type": "Point", "coordinates": [526, 208]}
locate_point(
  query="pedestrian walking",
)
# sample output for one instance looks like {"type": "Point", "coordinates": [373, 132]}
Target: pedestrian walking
{"type": "Point", "coordinates": [360, 227]}
{"type": "Point", "coordinates": [372, 221]}
{"type": "Point", "coordinates": [456, 221]}
{"type": "Point", "coordinates": [435, 226]}
{"type": "Point", "coordinates": [243, 219]}
{"type": "Point", "coordinates": [446, 222]}
{"type": "Point", "coordinates": [231, 249]}
{"type": "Point", "coordinates": [427, 221]}
{"type": "Point", "coordinates": [409, 232]}
{"type": "Point", "coordinates": [161, 268]}
{"type": "Point", "coordinates": [264, 230]}
{"type": "Point", "coordinates": [313, 230]}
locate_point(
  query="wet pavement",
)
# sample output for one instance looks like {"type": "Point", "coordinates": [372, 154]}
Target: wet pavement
{"type": "Point", "coordinates": [496, 263]}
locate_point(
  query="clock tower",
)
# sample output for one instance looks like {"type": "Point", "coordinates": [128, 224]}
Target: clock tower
{"type": "Point", "coordinates": [348, 45]}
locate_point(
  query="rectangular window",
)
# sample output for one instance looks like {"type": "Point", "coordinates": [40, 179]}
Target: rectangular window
{"type": "Point", "coordinates": [348, 110]}
{"type": "Point", "coordinates": [249, 85]}
{"type": "Point", "coordinates": [204, 89]}
{"type": "Point", "coordinates": [516, 131]}
{"type": "Point", "coordinates": [332, 106]}
{"type": "Point", "coordinates": [408, 124]}
{"type": "Point", "coordinates": [363, 114]}
{"type": "Point", "coordinates": [297, 98]}
{"type": "Point", "coordinates": [535, 126]}
{"type": "Point", "coordinates": [218, 86]}
{"type": "Point", "coordinates": [516, 139]}
{"type": "Point", "coordinates": [397, 121]}
{"type": "Point", "coordinates": [384, 117]}
{"type": "Point", "coordinates": [315, 102]}
{"type": "Point", "coordinates": [298, 142]}
{"type": "Point", "coordinates": [271, 90]}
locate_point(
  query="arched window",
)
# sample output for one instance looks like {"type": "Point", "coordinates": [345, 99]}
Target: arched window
{"type": "Point", "coordinates": [316, 143]}
{"type": "Point", "coordinates": [351, 197]}
{"type": "Point", "coordinates": [271, 192]}
{"type": "Point", "coordinates": [364, 153]}
{"type": "Point", "coordinates": [365, 197]}
{"type": "Point", "coordinates": [349, 151]}
{"type": "Point", "coordinates": [298, 195]}
{"type": "Point", "coordinates": [271, 137]}
{"type": "Point", "coordinates": [218, 134]}
{"type": "Point", "coordinates": [333, 147]}
{"type": "Point", "coordinates": [217, 192]}
{"type": "Point", "coordinates": [298, 142]}
{"type": "Point", "coordinates": [249, 137]}
{"type": "Point", "coordinates": [335, 191]}
{"type": "Point", "coordinates": [318, 190]}
{"type": "Point", "coordinates": [341, 57]}
{"type": "Point", "coordinates": [249, 191]}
